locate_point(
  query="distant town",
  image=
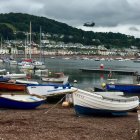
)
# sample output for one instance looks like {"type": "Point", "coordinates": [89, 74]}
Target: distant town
{"type": "Point", "coordinates": [49, 47]}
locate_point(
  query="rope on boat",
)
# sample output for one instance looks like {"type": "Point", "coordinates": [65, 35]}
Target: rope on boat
{"type": "Point", "coordinates": [58, 102]}
{"type": "Point", "coordinates": [55, 105]}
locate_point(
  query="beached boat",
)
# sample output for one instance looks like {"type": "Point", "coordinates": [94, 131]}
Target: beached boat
{"type": "Point", "coordinates": [50, 89]}
{"type": "Point", "coordinates": [88, 103]}
{"type": "Point", "coordinates": [6, 84]}
{"type": "Point", "coordinates": [12, 86]}
{"type": "Point", "coordinates": [126, 88]}
{"type": "Point", "coordinates": [20, 101]}
{"type": "Point", "coordinates": [26, 82]}
{"type": "Point", "coordinates": [53, 92]}
{"type": "Point", "coordinates": [56, 78]}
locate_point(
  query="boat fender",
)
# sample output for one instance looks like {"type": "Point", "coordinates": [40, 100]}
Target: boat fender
{"type": "Point", "coordinates": [65, 104]}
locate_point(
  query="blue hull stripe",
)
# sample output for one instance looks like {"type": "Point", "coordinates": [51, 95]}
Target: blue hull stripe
{"type": "Point", "coordinates": [6, 103]}
{"type": "Point", "coordinates": [90, 111]}
{"type": "Point", "coordinates": [124, 88]}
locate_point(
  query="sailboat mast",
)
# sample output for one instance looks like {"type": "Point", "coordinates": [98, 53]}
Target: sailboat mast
{"type": "Point", "coordinates": [30, 39]}
{"type": "Point", "coordinates": [25, 49]}
{"type": "Point", "coordinates": [40, 44]}
{"type": "Point", "coordinates": [1, 45]}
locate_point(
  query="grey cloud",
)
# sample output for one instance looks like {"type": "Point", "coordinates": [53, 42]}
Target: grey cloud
{"type": "Point", "coordinates": [77, 12]}
{"type": "Point", "coordinates": [134, 29]}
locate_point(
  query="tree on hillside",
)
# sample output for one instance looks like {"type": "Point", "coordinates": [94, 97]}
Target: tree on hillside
{"type": "Point", "coordinates": [6, 32]}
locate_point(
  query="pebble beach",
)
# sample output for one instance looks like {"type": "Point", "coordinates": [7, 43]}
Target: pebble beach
{"type": "Point", "coordinates": [49, 122]}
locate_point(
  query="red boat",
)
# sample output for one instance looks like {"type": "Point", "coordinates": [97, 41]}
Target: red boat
{"type": "Point", "coordinates": [11, 86]}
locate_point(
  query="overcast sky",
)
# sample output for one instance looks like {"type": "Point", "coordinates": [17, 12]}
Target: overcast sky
{"type": "Point", "coordinates": [109, 15]}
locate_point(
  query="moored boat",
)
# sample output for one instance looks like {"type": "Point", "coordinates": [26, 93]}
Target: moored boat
{"type": "Point", "coordinates": [13, 62]}
{"type": "Point", "coordinates": [2, 70]}
{"type": "Point", "coordinates": [39, 65]}
{"type": "Point", "coordinates": [126, 88]}
{"type": "Point", "coordinates": [56, 78]}
{"type": "Point", "coordinates": [14, 75]}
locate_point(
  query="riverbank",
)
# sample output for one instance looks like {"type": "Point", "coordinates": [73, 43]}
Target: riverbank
{"type": "Point", "coordinates": [62, 124]}
{"type": "Point", "coordinates": [76, 56]}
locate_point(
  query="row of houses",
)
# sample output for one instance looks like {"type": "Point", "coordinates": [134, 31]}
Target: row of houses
{"type": "Point", "coordinates": [61, 48]}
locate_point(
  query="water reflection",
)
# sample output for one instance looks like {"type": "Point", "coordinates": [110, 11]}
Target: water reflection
{"type": "Point", "coordinates": [84, 79]}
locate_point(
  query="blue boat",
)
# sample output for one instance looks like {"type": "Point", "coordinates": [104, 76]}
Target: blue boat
{"type": "Point", "coordinates": [126, 88]}
{"type": "Point", "coordinates": [20, 101]}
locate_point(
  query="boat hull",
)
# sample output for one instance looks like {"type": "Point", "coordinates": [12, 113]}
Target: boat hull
{"type": "Point", "coordinates": [56, 80]}
{"type": "Point", "coordinates": [49, 90]}
{"type": "Point", "coordinates": [12, 86]}
{"type": "Point", "coordinates": [15, 104]}
{"type": "Point", "coordinates": [90, 111]}
{"type": "Point", "coordinates": [87, 103]}
{"type": "Point", "coordinates": [126, 88]}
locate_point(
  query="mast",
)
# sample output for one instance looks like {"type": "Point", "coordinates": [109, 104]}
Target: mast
{"type": "Point", "coordinates": [1, 45]}
{"type": "Point", "coordinates": [25, 49]}
{"type": "Point", "coordinates": [30, 39]}
{"type": "Point", "coordinates": [40, 44]}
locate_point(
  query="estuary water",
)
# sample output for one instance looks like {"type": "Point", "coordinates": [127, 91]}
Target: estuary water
{"type": "Point", "coordinates": [84, 80]}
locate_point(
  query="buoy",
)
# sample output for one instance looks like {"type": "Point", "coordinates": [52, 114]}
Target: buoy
{"type": "Point", "coordinates": [75, 81]}
{"type": "Point", "coordinates": [103, 85]}
{"type": "Point", "coordinates": [101, 66]}
{"type": "Point", "coordinates": [8, 72]}
{"type": "Point", "coordinates": [65, 104]}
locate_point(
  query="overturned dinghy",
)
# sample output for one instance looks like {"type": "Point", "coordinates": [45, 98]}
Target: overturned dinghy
{"type": "Point", "coordinates": [50, 89]}
{"type": "Point", "coordinates": [53, 92]}
{"type": "Point", "coordinates": [88, 103]}
{"type": "Point", "coordinates": [20, 101]}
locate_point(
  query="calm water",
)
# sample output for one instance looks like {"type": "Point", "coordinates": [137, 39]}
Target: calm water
{"type": "Point", "coordinates": [84, 79]}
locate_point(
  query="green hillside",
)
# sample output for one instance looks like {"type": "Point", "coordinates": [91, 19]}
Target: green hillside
{"type": "Point", "coordinates": [9, 23]}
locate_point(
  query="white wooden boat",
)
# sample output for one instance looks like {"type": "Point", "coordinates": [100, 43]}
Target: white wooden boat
{"type": "Point", "coordinates": [49, 89]}
{"type": "Point", "coordinates": [88, 103]}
